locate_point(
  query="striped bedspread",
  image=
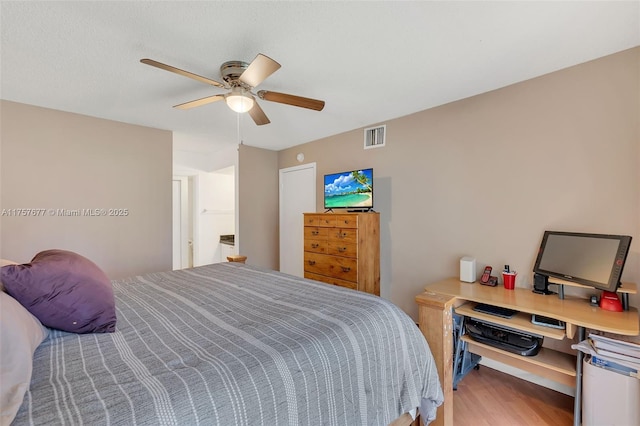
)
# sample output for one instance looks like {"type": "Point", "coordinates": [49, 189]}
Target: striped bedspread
{"type": "Point", "coordinates": [232, 344]}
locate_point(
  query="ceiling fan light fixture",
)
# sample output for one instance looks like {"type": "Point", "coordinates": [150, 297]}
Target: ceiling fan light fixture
{"type": "Point", "coordinates": [239, 100]}
{"type": "Point", "coordinates": [241, 78]}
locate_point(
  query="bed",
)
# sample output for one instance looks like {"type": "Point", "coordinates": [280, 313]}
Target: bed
{"type": "Point", "coordinates": [235, 344]}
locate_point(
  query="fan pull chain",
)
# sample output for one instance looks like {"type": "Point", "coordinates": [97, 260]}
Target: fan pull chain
{"type": "Point", "coordinates": [238, 128]}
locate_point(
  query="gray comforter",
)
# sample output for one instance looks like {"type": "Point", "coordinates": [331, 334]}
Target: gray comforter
{"type": "Point", "coordinates": [231, 344]}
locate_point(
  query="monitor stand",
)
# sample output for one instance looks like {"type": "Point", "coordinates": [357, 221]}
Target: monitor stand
{"type": "Point", "coordinates": [541, 284]}
{"type": "Point", "coordinates": [625, 298]}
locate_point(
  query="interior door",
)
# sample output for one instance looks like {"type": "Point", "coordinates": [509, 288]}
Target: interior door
{"type": "Point", "coordinates": [297, 196]}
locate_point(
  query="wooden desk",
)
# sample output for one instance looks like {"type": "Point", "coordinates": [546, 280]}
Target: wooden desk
{"type": "Point", "coordinates": [435, 314]}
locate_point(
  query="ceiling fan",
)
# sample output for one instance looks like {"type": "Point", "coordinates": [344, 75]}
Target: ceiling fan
{"type": "Point", "coordinates": [241, 78]}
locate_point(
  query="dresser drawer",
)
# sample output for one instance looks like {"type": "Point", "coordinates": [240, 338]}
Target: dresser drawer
{"type": "Point", "coordinates": [346, 221]}
{"type": "Point", "coordinates": [340, 248]}
{"type": "Point", "coordinates": [344, 235]}
{"type": "Point", "coordinates": [331, 220]}
{"type": "Point", "coordinates": [327, 220]}
{"type": "Point", "coordinates": [316, 246]}
{"type": "Point", "coordinates": [313, 219]}
{"type": "Point", "coordinates": [324, 220]}
{"type": "Point", "coordinates": [330, 280]}
{"type": "Point", "coordinates": [315, 233]}
{"type": "Point", "coordinates": [344, 268]}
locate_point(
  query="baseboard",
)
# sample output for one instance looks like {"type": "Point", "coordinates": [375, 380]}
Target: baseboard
{"type": "Point", "coordinates": [525, 375]}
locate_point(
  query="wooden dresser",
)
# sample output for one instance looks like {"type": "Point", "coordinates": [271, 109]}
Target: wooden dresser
{"type": "Point", "coordinates": [343, 249]}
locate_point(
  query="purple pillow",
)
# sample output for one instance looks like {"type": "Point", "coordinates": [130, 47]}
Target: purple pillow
{"type": "Point", "coordinates": [63, 290]}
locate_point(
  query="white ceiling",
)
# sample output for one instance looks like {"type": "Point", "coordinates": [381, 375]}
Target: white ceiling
{"type": "Point", "coordinates": [370, 61]}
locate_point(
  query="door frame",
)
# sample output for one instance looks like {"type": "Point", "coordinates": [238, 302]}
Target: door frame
{"type": "Point", "coordinates": [184, 219]}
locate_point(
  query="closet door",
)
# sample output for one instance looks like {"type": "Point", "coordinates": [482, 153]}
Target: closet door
{"type": "Point", "coordinates": [297, 196]}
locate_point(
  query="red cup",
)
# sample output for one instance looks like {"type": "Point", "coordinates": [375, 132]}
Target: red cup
{"type": "Point", "coordinates": [509, 279]}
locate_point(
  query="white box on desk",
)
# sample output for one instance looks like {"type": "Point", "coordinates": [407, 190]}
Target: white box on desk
{"type": "Point", "coordinates": [468, 269]}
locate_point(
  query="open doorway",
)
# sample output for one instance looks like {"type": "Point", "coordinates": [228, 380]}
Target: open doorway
{"type": "Point", "coordinates": [210, 169]}
{"type": "Point", "coordinates": [214, 230]}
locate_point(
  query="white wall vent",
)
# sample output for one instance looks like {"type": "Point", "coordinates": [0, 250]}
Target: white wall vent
{"type": "Point", "coordinates": [374, 137]}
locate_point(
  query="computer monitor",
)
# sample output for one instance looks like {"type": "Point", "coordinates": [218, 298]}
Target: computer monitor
{"type": "Point", "coordinates": [595, 260]}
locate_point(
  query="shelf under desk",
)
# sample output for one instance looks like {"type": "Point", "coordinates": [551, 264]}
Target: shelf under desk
{"type": "Point", "coordinates": [435, 310]}
{"type": "Point", "coordinates": [548, 363]}
{"type": "Point", "coordinates": [520, 321]}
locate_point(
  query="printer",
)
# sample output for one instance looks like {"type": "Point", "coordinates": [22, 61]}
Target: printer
{"type": "Point", "coordinates": [501, 337]}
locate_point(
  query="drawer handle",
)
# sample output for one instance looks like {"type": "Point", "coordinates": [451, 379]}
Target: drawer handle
{"type": "Point", "coordinates": [315, 245]}
{"type": "Point", "coordinates": [342, 249]}
{"type": "Point", "coordinates": [342, 234]}
{"type": "Point", "coordinates": [315, 232]}
{"type": "Point", "coordinates": [345, 268]}
{"type": "Point", "coordinates": [312, 262]}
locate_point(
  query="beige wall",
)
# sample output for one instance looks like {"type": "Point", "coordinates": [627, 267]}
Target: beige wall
{"type": "Point", "coordinates": [257, 233]}
{"type": "Point", "coordinates": [485, 176]}
{"type": "Point", "coordinates": [56, 160]}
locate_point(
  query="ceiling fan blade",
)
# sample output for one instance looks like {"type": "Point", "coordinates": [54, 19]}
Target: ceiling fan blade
{"type": "Point", "coordinates": [258, 70]}
{"type": "Point", "coordinates": [258, 115]}
{"type": "Point", "coordinates": [181, 72]}
{"type": "Point", "coordinates": [298, 101]}
{"type": "Point", "coordinates": [199, 102]}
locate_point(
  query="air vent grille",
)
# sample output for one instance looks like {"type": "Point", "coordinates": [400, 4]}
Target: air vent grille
{"type": "Point", "coordinates": [374, 137]}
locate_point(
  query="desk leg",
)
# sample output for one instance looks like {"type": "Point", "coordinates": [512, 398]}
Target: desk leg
{"type": "Point", "coordinates": [577, 402]}
{"type": "Point", "coordinates": [435, 316]}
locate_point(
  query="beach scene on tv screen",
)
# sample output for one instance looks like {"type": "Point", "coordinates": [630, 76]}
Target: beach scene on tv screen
{"type": "Point", "coordinates": [349, 189]}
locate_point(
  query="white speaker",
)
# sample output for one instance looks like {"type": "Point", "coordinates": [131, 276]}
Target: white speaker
{"type": "Point", "coordinates": [468, 269]}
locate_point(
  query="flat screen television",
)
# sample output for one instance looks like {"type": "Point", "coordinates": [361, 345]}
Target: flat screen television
{"type": "Point", "coordinates": [595, 260]}
{"type": "Point", "coordinates": [349, 190]}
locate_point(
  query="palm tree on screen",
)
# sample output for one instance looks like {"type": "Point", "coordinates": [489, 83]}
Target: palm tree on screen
{"type": "Point", "coordinates": [361, 179]}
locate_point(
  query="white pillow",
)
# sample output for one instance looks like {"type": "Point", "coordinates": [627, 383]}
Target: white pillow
{"type": "Point", "coordinates": [20, 335]}
{"type": "Point", "coordinates": [4, 262]}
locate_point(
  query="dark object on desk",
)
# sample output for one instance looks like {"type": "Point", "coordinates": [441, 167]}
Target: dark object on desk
{"type": "Point", "coordinates": [541, 284]}
{"type": "Point", "coordinates": [495, 310]}
{"type": "Point", "coordinates": [593, 300]}
{"type": "Point", "coordinates": [547, 322]}
{"type": "Point", "coordinates": [493, 281]}
{"type": "Point", "coordinates": [504, 338]}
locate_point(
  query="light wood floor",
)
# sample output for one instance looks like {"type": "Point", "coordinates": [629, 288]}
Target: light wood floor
{"type": "Point", "coordinates": [487, 397]}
